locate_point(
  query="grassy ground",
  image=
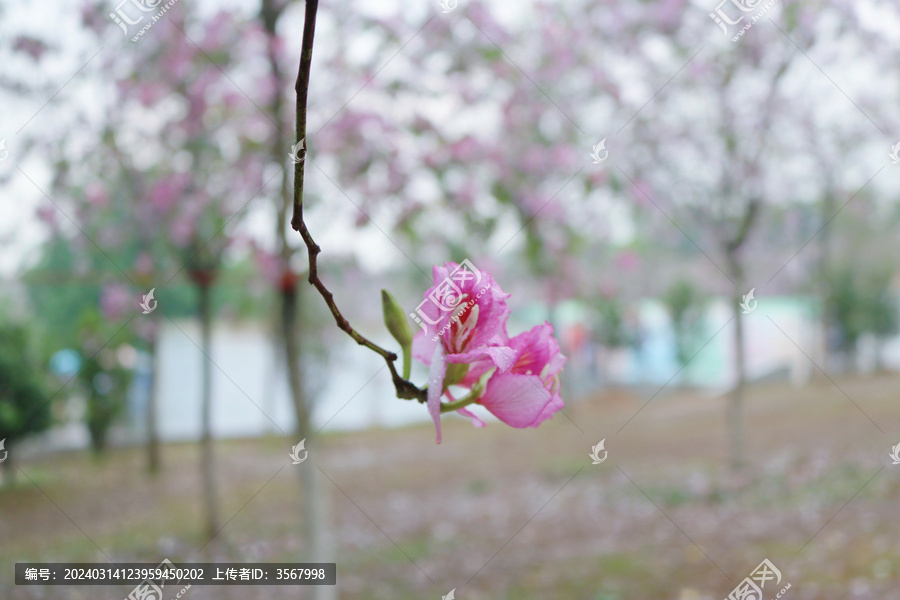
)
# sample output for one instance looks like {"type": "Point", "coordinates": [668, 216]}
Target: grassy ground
{"type": "Point", "coordinates": [509, 514]}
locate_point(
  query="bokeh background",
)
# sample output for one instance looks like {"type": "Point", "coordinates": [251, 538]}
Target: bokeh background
{"type": "Point", "coordinates": [706, 213]}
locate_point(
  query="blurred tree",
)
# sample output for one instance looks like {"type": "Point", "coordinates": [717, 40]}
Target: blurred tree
{"type": "Point", "coordinates": [104, 380]}
{"type": "Point", "coordinates": [612, 329]}
{"type": "Point", "coordinates": [686, 303]}
{"type": "Point", "coordinates": [719, 175]}
{"type": "Point", "coordinates": [882, 311]}
{"type": "Point", "coordinates": [212, 154]}
{"type": "Point", "coordinates": [315, 525]}
{"type": "Point", "coordinates": [180, 183]}
{"type": "Point", "coordinates": [25, 406]}
{"type": "Point", "coordinates": [860, 301]}
{"type": "Point", "coordinates": [843, 302]}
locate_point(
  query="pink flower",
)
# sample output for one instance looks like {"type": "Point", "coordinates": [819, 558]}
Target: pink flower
{"type": "Point", "coordinates": [144, 264]}
{"type": "Point", "coordinates": [466, 313]}
{"type": "Point", "coordinates": [166, 192]}
{"type": "Point", "coordinates": [115, 300]}
{"type": "Point", "coordinates": [528, 393]}
{"type": "Point", "coordinates": [31, 46]}
{"type": "Point", "coordinates": [96, 195]}
{"type": "Point", "coordinates": [463, 338]}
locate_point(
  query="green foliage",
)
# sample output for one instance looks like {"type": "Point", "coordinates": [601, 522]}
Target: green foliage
{"type": "Point", "coordinates": [880, 306]}
{"type": "Point", "coordinates": [613, 331]}
{"type": "Point", "coordinates": [24, 401]}
{"type": "Point", "coordinates": [860, 301]}
{"type": "Point", "coordinates": [55, 301]}
{"type": "Point", "coordinates": [685, 304]}
{"type": "Point", "coordinates": [103, 380]}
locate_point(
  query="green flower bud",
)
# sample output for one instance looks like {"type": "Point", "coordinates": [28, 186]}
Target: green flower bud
{"type": "Point", "coordinates": [398, 325]}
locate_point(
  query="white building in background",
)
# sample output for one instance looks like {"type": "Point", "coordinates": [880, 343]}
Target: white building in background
{"type": "Point", "coordinates": [250, 391]}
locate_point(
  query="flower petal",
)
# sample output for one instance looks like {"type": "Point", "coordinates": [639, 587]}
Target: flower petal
{"type": "Point", "coordinates": [501, 356]}
{"type": "Point", "coordinates": [423, 346]}
{"type": "Point", "coordinates": [520, 400]}
{"type": "Point", "coordinates": [436, 386]}
{"type": "Point", "coordinates": [536, 349]}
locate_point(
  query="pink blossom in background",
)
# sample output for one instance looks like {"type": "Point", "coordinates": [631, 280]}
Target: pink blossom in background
{"type": "Point", "coordinates": [93, 18]}
{"type": "Point", "coordinates": [232, 99]}
{"type": "Point", "coordinates": [641, 192]}
{"type": "Point", "coordinates": [464, 150]}
{"type": "Point", "coordinates": [668, 13]}
{"type": "Point", "coordinates": [202, 83]}
{"type": "Point", "coordinates": [47, 214]}
{"type": "Point", "coordinates": [266, 87]}
{"type": "Point", "coordinates": [534, 160]}
{"type": "Point", "coordinates": [144, 264]}
{"type": "Point", "coordinates": [269, 264]}
{"type": "Point", "coordinates": [115, 301]}
{"type": "Point", "coordinates": [598, 177]}
{"type": "Point", "coordinates": [563, 156]}
{"type": "Point", "coordinates": [182, 230]}
{"type": "Point", "coordinates": [217, 32]}
{"type": "Point", "coordinates": [149, 94]}
{"type": "Point", "coordinates": [96, 195]}
{"type": "Point", "coordinates": [33, 47]}
{"type": "Point", "coordinates": [608, 289]}
{"type": "Point", "coordinates": [488, 24]}
{"type": "Point", "coordinates": [627, 260]}
{"type": "Point", "coordinates": [465, 196]}
{"type": "Point", "coordinates": [165, 193]}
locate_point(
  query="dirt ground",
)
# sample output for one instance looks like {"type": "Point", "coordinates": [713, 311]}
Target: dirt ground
{"type": "Point", "coordinates": [500, 513]}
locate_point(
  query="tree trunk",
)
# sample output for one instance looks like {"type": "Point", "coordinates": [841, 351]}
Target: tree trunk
{"type": "Point", "coordinates": [736, 422]}
{"type": "Point", "coordinates": [736, 271]}
{"type": "Point", "coordinates": [290, 339]}
{"type": "Point", "coordinates": [209, 484]}
{"type": "Point", "coordinates": [315, 520]}
{"type": "Point", "coordinates": [829, 206]}
{"type": "Point", "coordinates": [736, 404]}
{"type": "Point", "coordinates": [153, 458]}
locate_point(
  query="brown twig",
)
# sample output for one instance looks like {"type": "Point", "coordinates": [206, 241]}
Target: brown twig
{"type": "Point", "coordinates": [405, 389]}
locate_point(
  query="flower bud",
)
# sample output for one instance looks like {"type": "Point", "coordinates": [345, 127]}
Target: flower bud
{"type": "Point", "coordinates": [395, 319]}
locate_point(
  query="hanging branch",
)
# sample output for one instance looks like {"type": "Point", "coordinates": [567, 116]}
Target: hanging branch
{"type": "Point", "coordinates": [405, 389]}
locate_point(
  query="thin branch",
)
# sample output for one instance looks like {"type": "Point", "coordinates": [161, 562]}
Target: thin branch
{"type": "Point", "coordinates": [405, 389]}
